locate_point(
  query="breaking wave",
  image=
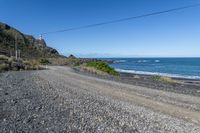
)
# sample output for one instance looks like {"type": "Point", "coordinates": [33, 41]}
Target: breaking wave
{"type": "Point", "coordinates": [157, 73]}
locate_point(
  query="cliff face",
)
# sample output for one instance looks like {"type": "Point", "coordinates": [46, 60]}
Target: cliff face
{"type": "Point", "coordinates": [28, 45]}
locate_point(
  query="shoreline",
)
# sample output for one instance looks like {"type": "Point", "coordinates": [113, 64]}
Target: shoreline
{"type": "Point", "coordinates": [167, 75]}
{"type": "Point", "coordinates": [174, 76]}
{"type": "Point", "coordinates": [181, 79]}
{"type": "Point", "coordinates": [183, 86]}
{"type": "Point", "coordinates": [183, 68]}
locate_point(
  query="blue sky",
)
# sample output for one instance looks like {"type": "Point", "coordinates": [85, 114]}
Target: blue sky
{"type": "Point", "coordinates": [175, 34]}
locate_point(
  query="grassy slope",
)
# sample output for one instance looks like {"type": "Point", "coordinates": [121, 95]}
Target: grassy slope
{"type": "Point", "coordinates": [25, 43]}
{"type": "Point", "coordinates": [10, 63]}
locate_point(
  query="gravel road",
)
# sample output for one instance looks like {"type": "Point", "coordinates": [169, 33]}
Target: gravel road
{"type": "Point", "coordinates": [60, 100]}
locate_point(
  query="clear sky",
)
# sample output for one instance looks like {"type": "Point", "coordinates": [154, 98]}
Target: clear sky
{"type": "Point", "coordinates": [175, 34]}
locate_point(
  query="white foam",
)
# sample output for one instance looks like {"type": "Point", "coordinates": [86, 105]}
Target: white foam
{"type": "Point", "coordinates": [156, 73]}
{"type": "Point", "coordinates": [142, 61]}
{"type": "Point", "coordinates": [119, 61]}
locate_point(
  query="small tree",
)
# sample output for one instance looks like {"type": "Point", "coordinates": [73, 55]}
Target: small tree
{"type": "Point", "coordinates": [44, 61]}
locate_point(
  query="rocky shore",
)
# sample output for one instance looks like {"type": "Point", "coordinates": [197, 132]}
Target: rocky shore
{"type": "Point", "coordinates": [63, 100]}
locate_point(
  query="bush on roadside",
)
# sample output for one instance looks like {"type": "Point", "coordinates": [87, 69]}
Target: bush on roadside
{"type": "Point", "coordinates": [3, 57]}
{"type": "Point", "coordinates": [93, 70]}
{"type": "Point", "coordinates": [10, 63]}
{"type": "Point", "coordinates": [44, 61]}
{"type": "Point", "coordinates": [4, 67]}
{"type": "Point", "coordinates": [11, 59]}
{"type": "Point", "coordinates": [32, 65]}
{"type": "Point", "coordinates": [102, 66]}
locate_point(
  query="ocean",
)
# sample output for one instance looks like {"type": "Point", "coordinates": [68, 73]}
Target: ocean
{"type": "Point", "coordinates": [172, 67]}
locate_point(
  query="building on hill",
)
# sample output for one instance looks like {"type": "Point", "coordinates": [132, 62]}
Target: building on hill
{"type": "Point", "coordinates": [30, 47]}
{"type": "Point", "coordinates": [41, 42]}
{"type": "Point", "coordinates": [72, 56]}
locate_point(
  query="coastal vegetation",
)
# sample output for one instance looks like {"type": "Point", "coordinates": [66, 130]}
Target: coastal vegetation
{"type": "Point", "coordinates": [27, 46]}
{"type": "Point", "coordinates": [99, 66]}
{"type": "Point", "coordinates": [10, 63]}
{"type": "Point", "coordinates": [163, 79]}
{"type": "Point", "coordinates": [44, 61]}
{"type": "Point", "coordinates": [34, 52]}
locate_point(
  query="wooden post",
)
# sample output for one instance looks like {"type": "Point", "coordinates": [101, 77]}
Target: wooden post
{"type": "Point", "coordinates": [10, 53]}
{"type": "Point", "coordinates": [15, 47]}
{"type": "Point", "coordinates": [19, 52]}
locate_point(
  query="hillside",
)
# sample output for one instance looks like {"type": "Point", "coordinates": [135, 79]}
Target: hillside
{"type": "Point", "coordinates": [29, 46]}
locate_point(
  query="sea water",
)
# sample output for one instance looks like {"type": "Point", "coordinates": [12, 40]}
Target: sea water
{"type": "Point", "coordinates": [172, 67]}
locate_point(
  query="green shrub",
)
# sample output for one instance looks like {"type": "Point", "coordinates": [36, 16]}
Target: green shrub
{"type": "Point", "coordinates": [34, 65]}
{"type": "Point", "coordinates": [11, 63]}
{"type": "Point", "coordinates": [44, 61]}
{"type": "Point", "coordinates": [3, 57]}
{"type": "Point", "coordinates": [11, 59]}
{"type": "Point", "coordinates": [163, 79]}
{"type": "Point", "coordinates": [31, 65]}
{"type": "Point", "coordinates": [26, 62]}
{"type": "Point", "coordinates": [102, 66]}
{"type": "Point", "coordinates": [4, 67]}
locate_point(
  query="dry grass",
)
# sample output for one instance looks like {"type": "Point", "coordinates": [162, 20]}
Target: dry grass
{"type": "Point", "coordinates": [93, 70]}
{"type": "Point", "coordinates": [57, 61]}
{"type": "Point", "coordinates": [32, 65]}
{"type": "Point", "coordinates": [4, 67]}
{"type": "Point", "coordinates": [65, 61]}
{"type": "Point", "coordinates": [10, 63]}
{"type": "Point", "coordinates": [163, 79]}
{"type": "Point", "coordinates": [3, 57]}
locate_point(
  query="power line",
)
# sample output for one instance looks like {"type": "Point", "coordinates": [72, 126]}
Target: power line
{"type": "Point", "coordinates": [123, 19]}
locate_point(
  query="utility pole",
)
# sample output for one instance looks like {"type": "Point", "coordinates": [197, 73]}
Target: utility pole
{"type": "Point", "coordinates": [10, 53]}
{"type": "Point", "coordinates": [19, 52]}
{"type": "Point", "coordinates": [15, 47]}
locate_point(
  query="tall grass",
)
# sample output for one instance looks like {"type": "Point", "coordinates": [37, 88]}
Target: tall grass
{"type": "Point", "coordinates": [10, 63]}
{"type": "Point", "coordinates": [163, 79]}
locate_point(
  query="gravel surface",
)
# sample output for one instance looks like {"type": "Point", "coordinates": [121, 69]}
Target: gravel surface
{"type": "Point", "coordinates": [60, 100]}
